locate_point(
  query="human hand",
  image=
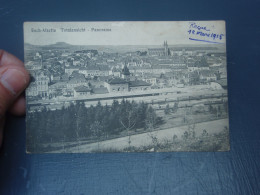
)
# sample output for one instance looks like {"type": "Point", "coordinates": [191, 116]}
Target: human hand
{"type": "Point", "coordinates": [13, 81]}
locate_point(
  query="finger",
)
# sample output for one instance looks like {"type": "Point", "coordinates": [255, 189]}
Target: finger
{"type": "Point", "coordinates": [7, 59]}
{"type": "Point", "coordinates": [13, 80]}
{"type": "Point", "coordinates": [18, 108]}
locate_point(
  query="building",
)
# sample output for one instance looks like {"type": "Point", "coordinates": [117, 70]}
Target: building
{"type": "Point", "coordinates": [125, 73]}
{"type": "Point", "coordinates": [117, 85]}
{"type": "Point", "coordinates": [75, 82]}
{"type": "Point", "coordinates": [139, 85]}
{"type": "Point", "coordinates": [151, 80]}
{"type": "Point", "coordinates": [157, 69]}
{"type": "Point", "coordinates": [76, 74]}
{"type": "Point", "coordinates": [32, 89]}
{"type": "Point", "coordinates": [200, 63]}
{"type": "Point", "coordinates": [193, 67]}
{"type": "Point", "coordinates": [81, 90]}
{"type": "Point", "coordinates": [70, 70]}
{"type": "Point", "coordinates": [165, 51]}
{"type": "Point", "coordinates": [41, 83]}
{"type": "Point", "coordinates": [42, 86]}
{"type": "Point", "coordinates": [91, 71]}
{"type": "Point", "coordinates": [57, 89]}
{"type": "Point", "coordinates": [116, 72]}
{"type": "Point", "coordinates": [141, 70]}
{"type": "Point", "coordinates": [83, 70]}
{"type": "Point", "coordinates": [35, 65]}
{"type": "Point", "coordinates": [55, 77]}
{"type": "Point", "coordinates": [207, 75]}
{"type": "Point", "coordinates": [125, 83]}
{"type": "Point", "coordinates": [100, 90]}
{"type": "Point", "coordinates": [68, 93]}
{"type": "Point", "coordinates": [104, 70]}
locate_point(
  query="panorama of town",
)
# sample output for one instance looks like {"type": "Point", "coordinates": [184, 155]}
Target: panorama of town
{"type": "Point", "coordinates": [185, 88]}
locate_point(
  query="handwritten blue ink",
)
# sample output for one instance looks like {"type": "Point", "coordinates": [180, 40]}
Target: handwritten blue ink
{"type": "Point", "coordinates": [204, 40]}
{"type": "Point", "coordinates": [194, 25]}
{"type": "Point", "coordinates": [203, 31]}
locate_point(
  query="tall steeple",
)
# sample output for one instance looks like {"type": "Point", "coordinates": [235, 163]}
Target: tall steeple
{"type": "Point", "coordinates": [166, 49]}
{"type": "Point", "coordinates": [125, 73]}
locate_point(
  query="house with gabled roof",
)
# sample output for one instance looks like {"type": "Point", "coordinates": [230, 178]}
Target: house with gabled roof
{"type": "Point", "coordinates": [117, 85]}
{"type": "Point", "coordinates": [75, 82]}
{"type": "Point", "coordinates": [91, 71]}
{"type": "Point", "coordinates": [81, 90]}
{"type": "Point", "coordinates": [139, 85]}
{"type": "Point", "coordinates": [207, 75]}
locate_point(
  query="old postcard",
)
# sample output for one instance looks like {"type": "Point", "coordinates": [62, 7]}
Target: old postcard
{"type": "Point", "coordinates": [126, 86]}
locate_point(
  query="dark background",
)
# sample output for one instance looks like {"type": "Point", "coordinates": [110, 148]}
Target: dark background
{"type": "Point", "coordinates": [234, 172]}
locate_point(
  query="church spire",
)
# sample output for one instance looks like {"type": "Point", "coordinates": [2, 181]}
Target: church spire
{"type": "Point", "coordinates": [125, 70]}
{"type": "Point", "coordinates": [125, 73]}
{"type": "Point", "coordinates": [166, 49]}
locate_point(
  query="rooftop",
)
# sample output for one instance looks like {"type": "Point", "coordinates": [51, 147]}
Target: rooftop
{"type": "Point", "coordinates": [58, 85]}
{"type": "Point", "coordinates": [76, 80]}
{"type": "Point", "coordinates": [101, 90]}
{"type": "Point", "coordinates": [73, 67]}
{"type": "Point", "coordinates": [138, 83]}
{"type": "Point", "coordinates": [116, 81]}
{"type": "Point", "coordinates": [82, 88]}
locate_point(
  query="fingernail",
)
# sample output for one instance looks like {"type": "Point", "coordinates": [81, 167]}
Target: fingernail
{"type": "Point", "coordinates": [13, 80]}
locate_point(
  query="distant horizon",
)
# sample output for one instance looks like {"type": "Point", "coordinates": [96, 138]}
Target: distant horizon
{"type": "Point", "coordinates": [178, 45]}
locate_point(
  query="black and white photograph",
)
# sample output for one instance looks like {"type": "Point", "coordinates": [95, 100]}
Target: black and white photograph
{"type": "Point", "coordinates": [126, 87]}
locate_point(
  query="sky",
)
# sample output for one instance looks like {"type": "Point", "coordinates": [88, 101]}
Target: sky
{"type": "Point", "coordinates": [124, 33]}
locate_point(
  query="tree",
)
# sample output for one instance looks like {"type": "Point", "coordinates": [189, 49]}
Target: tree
{"type": "Point", "coordinates": [80, 116]}
{"type": "Point", "coordinates": [49, 134]}
{"type": "Point", "coordinates": [128, 118]}
{"type": "Point", "coordinates": [141, 115]}
{"type": "Point", "coordinates": [66, 124]}
{"type": "Point", "coordinates": [150, 119]}
{"type": "Point", "coordinates": [115, 106]}
{"type": "Point", "coordinates": [204, 133]}
{"type": "Point", "coordinates": [99, 112]}
{"type": "Point", "coordinates": [97, 130]}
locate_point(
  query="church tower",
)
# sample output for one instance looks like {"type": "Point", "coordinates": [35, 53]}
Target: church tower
{"type": "Point", "coordinates": [166, 49]}
{"type": "Point", "coordinates": [125, 73]}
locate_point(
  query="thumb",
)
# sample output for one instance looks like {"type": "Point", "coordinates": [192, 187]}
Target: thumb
{"type": "Point", "coordinates": [13, 80]}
